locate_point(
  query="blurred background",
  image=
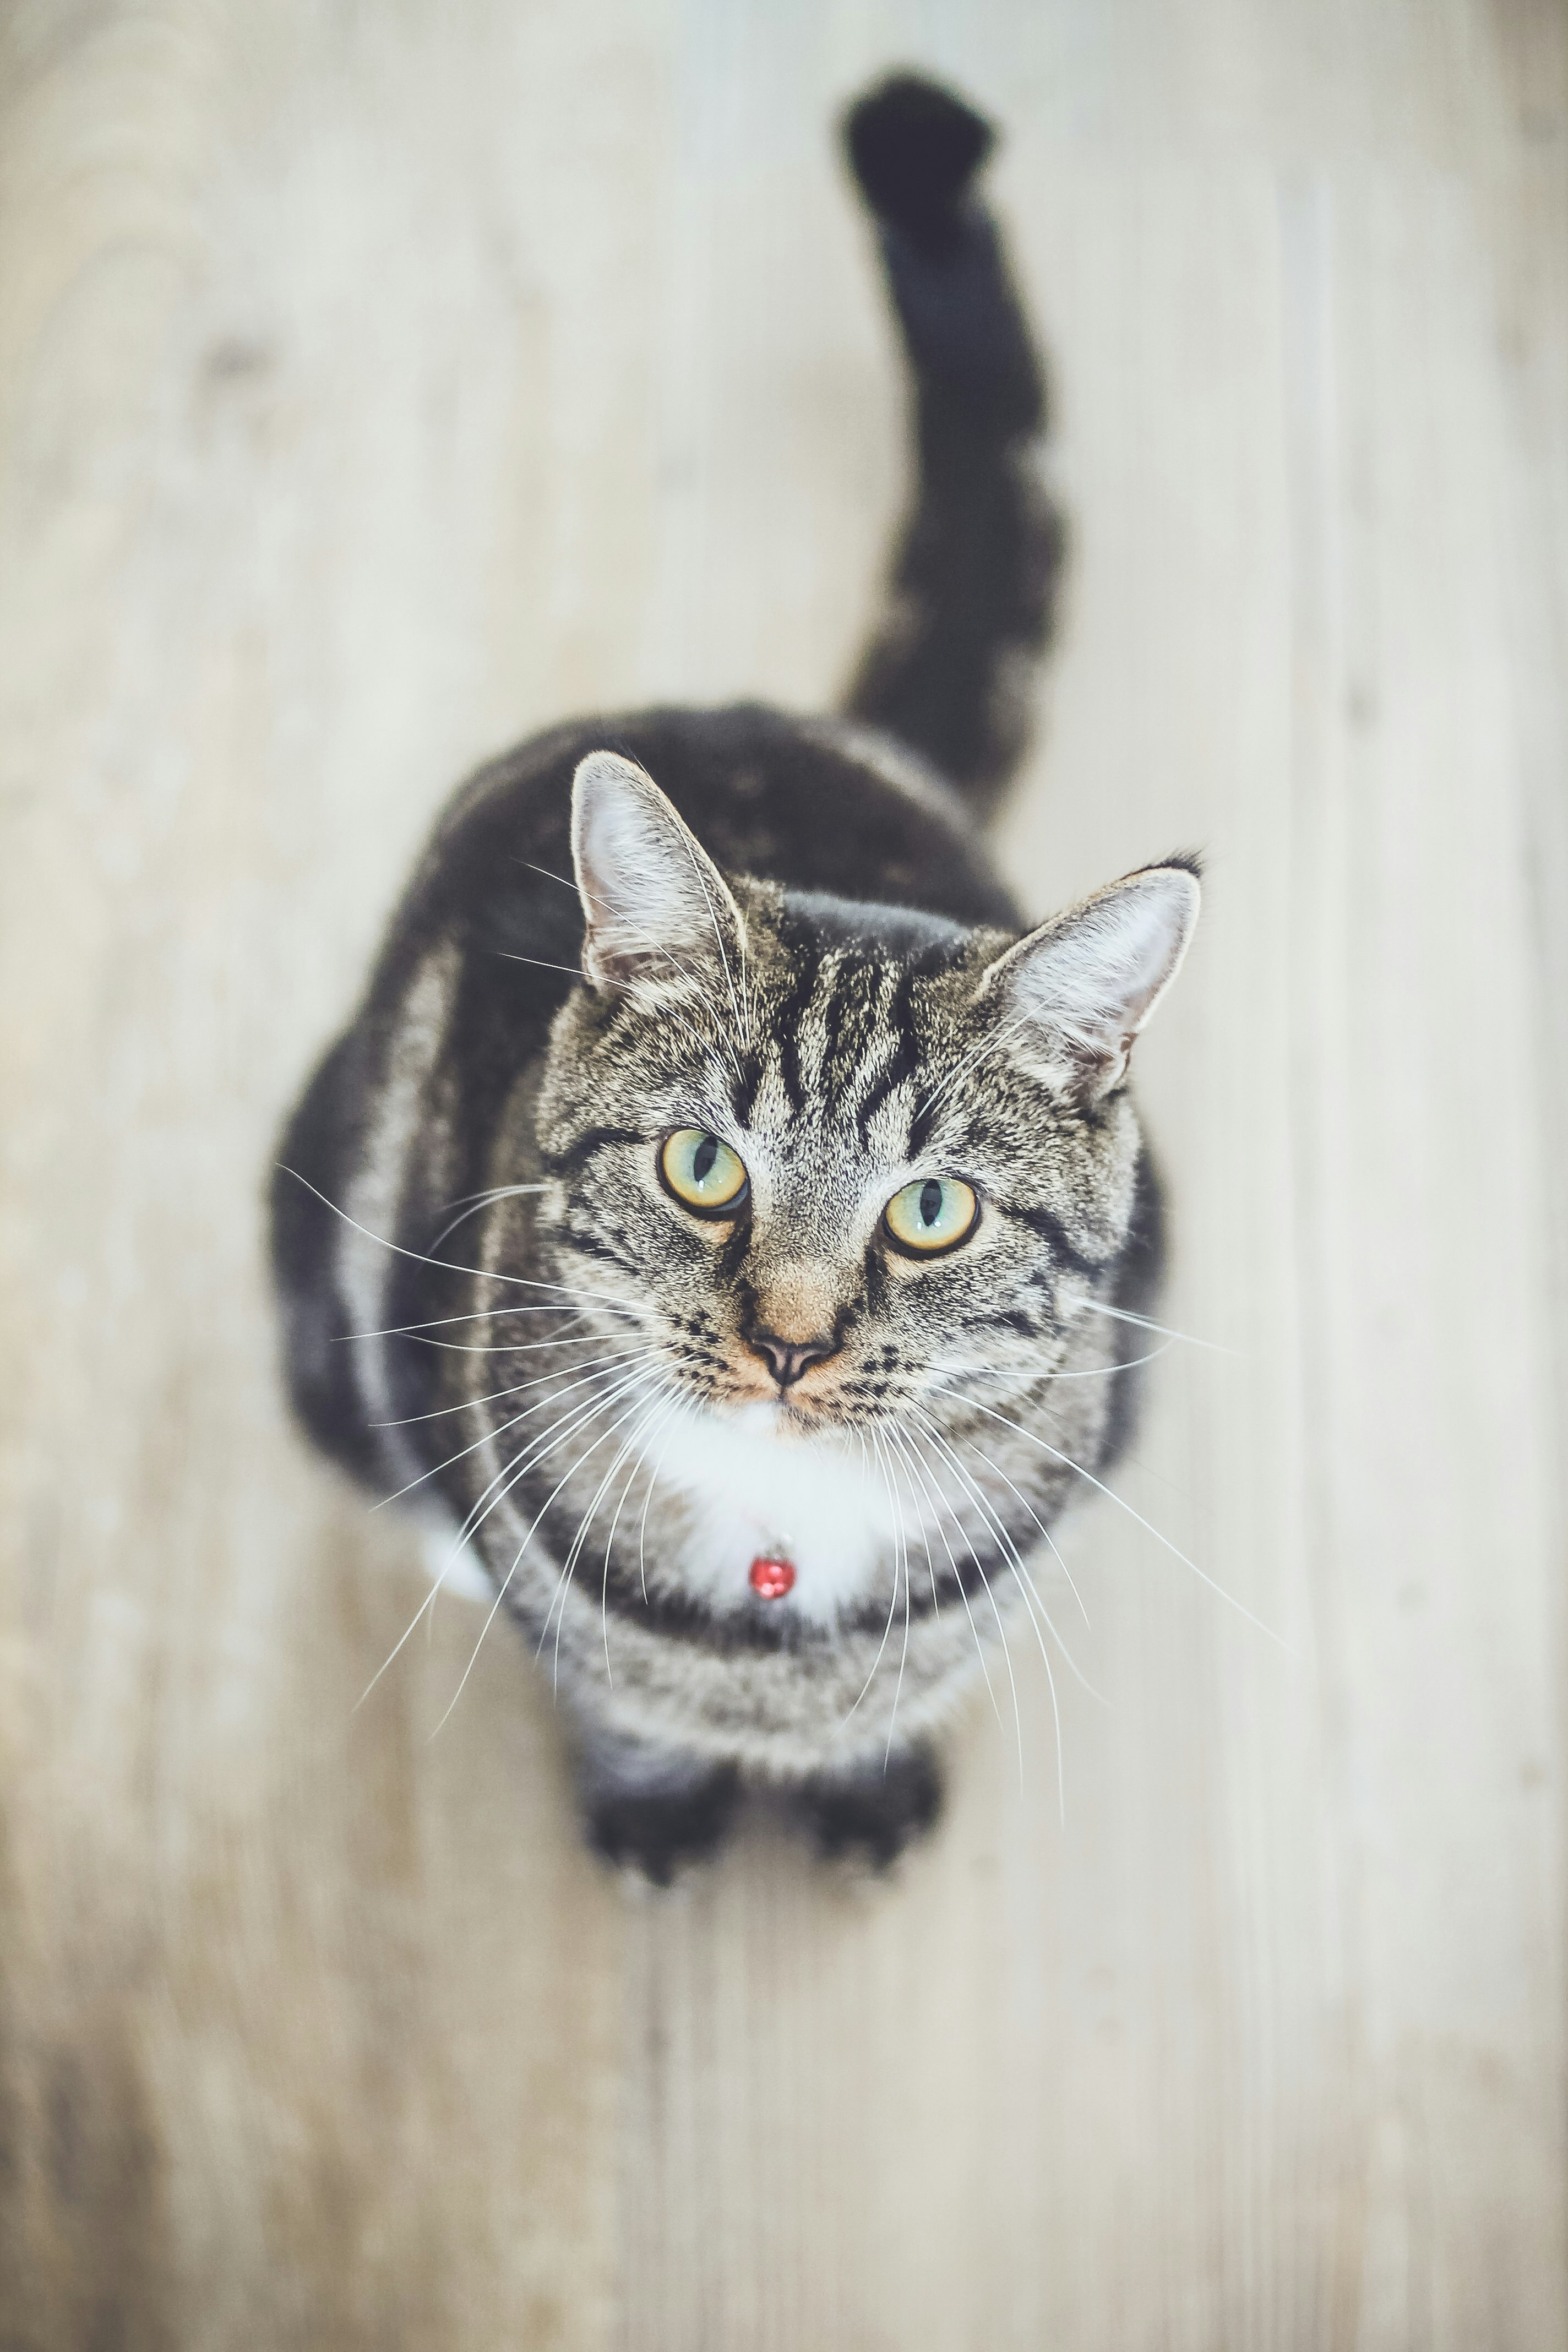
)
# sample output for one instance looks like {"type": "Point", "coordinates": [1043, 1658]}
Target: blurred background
{"type": "Point", "coordinates": [378, 385]}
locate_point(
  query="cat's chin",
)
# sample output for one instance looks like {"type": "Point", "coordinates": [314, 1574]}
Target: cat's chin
{"type": "Point", "coordinates": [776, 1417]}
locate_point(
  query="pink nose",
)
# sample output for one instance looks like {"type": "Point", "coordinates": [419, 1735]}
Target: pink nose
{"type": "Point", "coordinates": [772, 1579]}
{"type": "Point", "coordinates": [787, 1359]}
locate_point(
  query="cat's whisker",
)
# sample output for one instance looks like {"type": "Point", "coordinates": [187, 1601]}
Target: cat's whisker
{"type": "Point", "coordinates": [617, 921]}
{"type": "Point", "coordinates": [519, 1387]}
{"type": "Point", "coordinates": [934, 1489]}
{"type": "Point", "coordinates": [1032, 1601]}
{"type": "Point", "coordinates": [1146, 1323]}
{"type": "Point", "coordinates": [565, 1577]}
{"type": "Point", "coordinates": [610, 1386]}
{"type": "Point", "coordinates": [1001, 1626]}
{"type": "Point", "coordinates": [540, 963]}
{"type": "Point", "coordinates": [661, 1414]}
{"type": "Point", "coordinates": [443, 1265]}
{"type": "Point", "coordinates": [437, 1322]}
{"type": "Point", "coordinates": [682, 1404]}
{"type": "Point", "coordinates": [520, 1461]}
{"type": "Point", "coordinates": [900, 1545]}
{"type": "Point", "coordinates": [647, 1421]}
{"type": "Point", "coordinates": [506, 1582]}
{"type": "Point", "coordinates": [895, 1440]}
{"type": "Point", "coordinates": [989, 1044]}
{"type": "Point", "coordinates": [887, 1629]}
{"type": "Point", "coordinates": [480, 1201]}
{"type": "Point", "coordinates": [520, 1347]}
{"type": "Point", "coordinates": [575, 1549]}
{"type": "Point", "coordinates": [1121, 1501]}
{"type": "Point", "coordinates": [1027, 1373]}
{"type": "Point", "coordinates": [1051, 1541]}
{"type": "Point", "coordinates": [487, 1438]}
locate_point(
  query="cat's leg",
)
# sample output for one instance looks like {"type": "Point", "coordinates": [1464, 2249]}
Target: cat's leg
{"type": "Point", "coordinates": [656, 1808]}
{"type": "Point", "coordinates": [874, 1812]}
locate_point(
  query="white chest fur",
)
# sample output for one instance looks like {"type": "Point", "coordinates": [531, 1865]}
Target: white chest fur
{"type": "Point", "coordinates": [750, 1490]}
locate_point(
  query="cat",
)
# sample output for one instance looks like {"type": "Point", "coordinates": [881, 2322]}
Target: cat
{"type": "Point", "coordinates": [721, 1205]}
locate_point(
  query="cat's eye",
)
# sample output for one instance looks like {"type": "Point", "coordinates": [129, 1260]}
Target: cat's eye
{"type": "Point", "coordinates": [704, 1174]}
{"type": "Point", "coordinates": [934, 1213]}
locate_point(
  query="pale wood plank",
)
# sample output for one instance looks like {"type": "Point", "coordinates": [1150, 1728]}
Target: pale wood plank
{"type": "Point", "coordinates": [373, 391]}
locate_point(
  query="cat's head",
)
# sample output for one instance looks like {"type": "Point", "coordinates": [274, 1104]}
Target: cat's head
{"type": "Point", "coordinates": [825, 1157]}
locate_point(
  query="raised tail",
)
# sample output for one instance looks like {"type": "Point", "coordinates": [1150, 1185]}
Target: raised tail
{"type": "Point", "coordinates": [974, 580]}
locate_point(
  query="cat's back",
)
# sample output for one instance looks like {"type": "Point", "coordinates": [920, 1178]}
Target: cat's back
{"type": "Point", "coordinates": [817, 806]}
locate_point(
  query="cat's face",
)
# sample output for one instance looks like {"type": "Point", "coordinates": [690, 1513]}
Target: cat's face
{"type": "Point", "coordinates": [822, 1165]}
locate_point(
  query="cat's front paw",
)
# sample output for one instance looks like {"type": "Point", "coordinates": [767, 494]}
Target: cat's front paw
{"type": "Point", "coordinates": [658, 1832]}
{"type": "Point", "coordinates": [874, 1814]}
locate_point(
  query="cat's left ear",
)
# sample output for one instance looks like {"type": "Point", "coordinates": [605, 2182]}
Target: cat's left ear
{"type": "Point", "coordinates": [1076, 992]}
{"type": "Point", "coordinates": [658, 908]}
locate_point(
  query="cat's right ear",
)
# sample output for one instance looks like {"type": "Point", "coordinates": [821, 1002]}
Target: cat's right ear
{"type": "Point", "coordinates": [658, 911]}
{"type": "Point", "coordinates": [1076, 992]}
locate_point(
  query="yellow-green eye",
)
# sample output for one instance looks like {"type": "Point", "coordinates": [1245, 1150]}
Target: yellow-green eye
{"type": "Point", "coordinates": [934, 1213]}
{"type": "Point", "coordinates": [704, 1174]}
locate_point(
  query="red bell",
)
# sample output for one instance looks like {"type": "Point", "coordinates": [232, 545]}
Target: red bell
{"type": "Point", "coordinates": [772, 1579]}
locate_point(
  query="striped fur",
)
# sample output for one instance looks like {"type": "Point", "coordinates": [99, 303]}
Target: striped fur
{"type": "Point", "coordinates": [547, 1343]}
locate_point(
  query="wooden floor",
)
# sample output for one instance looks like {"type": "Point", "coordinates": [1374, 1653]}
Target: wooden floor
{"type": "Point", "coordinates": [378, 385]}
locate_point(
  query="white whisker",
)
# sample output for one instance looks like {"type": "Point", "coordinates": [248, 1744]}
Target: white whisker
{"type": "Point", "coordinates": [505, 1477]}
{"type": "Point", "coordinates": [1146, 1323]}
{"type": "Point", "coordinates": [445, 1266]}
{"type": "Point", "coordinates": [1121, 1501]}
{"type": "Point", "coordinates": [886, 1627]}
{"type": "Point", "coordinates": [479, 1201]}
{"type": "Point", "coordinates": [900, 1543]}
{"type": "Point", "coordinates": [939, 1497]}
{"type": "Point", "coordinates": [528, 1538]}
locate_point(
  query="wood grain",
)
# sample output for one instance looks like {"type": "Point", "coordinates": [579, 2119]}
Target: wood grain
{"type": "Point", "coordinates": [375, 388]}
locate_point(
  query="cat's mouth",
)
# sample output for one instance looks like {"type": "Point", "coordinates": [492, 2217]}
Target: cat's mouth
{"type": "Point", "coordinates": [778, 1412]}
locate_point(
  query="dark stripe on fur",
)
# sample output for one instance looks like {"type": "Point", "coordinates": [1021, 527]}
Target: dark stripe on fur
{"type": "Point", "coordinates": [974, 584]}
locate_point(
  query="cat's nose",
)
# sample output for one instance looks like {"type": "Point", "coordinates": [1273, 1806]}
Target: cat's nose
{"type": "Point", "coordinates": [787, 1359]}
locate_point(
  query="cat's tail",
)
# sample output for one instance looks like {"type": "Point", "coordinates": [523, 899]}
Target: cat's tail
{"type": "Point", "coordinates": [973, 578]}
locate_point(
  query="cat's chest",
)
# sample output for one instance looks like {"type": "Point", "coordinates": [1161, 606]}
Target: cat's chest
{"type": "Point", "coordinates": [743, 1494]}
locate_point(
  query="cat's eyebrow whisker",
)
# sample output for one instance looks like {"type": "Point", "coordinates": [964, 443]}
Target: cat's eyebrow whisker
{"type": "Point", "coordinates": [990, 1043]}
{"type": "Point", "coordinates": [1120, 1500]}
{"type": "Point", "coordinates": [477, 1200]}
{"type": "Point", "coordinates": [621, 924]}
{"type": "Point", "coordinates": [445, 1266]}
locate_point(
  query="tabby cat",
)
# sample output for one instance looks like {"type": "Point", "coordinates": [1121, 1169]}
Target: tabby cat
{"type": "Point", "coordinates": [746, 1247]}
